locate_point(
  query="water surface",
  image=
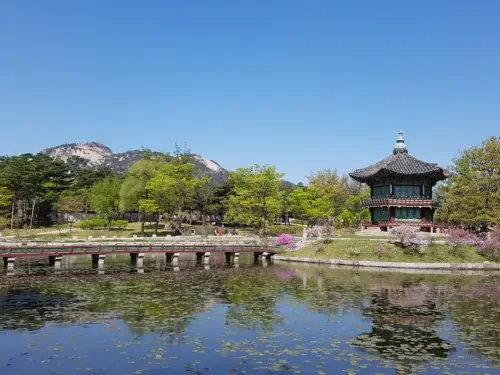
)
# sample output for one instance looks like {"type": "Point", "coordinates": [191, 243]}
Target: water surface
{"type": "Point", "coordinates": [252, 320]}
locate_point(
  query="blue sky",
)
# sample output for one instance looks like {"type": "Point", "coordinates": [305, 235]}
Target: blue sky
{"type": "Point", "coordinates": [303, 85]}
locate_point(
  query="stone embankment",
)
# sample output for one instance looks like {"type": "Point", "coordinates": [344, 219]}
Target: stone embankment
{"type": "Point", "coordinates": [400, 265]}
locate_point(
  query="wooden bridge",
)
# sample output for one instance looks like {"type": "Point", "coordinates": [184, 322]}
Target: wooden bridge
{"type": "Point", "coordinates": [137, 251]}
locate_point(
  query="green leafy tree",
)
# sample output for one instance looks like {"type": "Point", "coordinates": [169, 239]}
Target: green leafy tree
{"type": "Point", "coordinates": [205, 199]}
{"type": "Point", "coordinates": [69, 204]}
{"type": "Point", "coordinates": [84, 179]}
{"type": "Point", "coordinates": [5, 202]}
{"type": "Point", "coordinates": [327, 185]}
{"type": "Point", "coordinates": [134, 192]}
{"type": "Point", "coordinates": [105, 197]}
{"type": "Point", "coordinates": [34, 181]}
{"type": "Point", "coordinates": [173, 187]}
{"type": "Point", "coordinates": [300, 201]}
{"type": "Point", "coordinates": [354, 213]}
{"type": "Point", "coordinates": [471, 198]}
{"type": "Point", "coordinates": [256, 195]}
{"type": "Point", "coordinates": [286, 201]}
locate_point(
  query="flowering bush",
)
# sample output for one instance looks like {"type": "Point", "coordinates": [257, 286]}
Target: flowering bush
{"type": "Point", "coordinates": [318, 231]}
{"type": "Point", "coordinates": [410, 238]}
{"type": "Point", "coordinates": [382, 251]}
{"type": "Point", "coordinates": [354, 251]}
{"type": "Point", "coordinates": [458, 236]}
{"type": "Point", "coordinates": [495, 234]}
{"type": "Point", "coordinates": [286, 241]}
{"type": "Point", "coordinates": [490, 247]}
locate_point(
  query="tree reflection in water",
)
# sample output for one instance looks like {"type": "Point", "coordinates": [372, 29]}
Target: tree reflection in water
{"type": "Point", "coordinates": [404, 327]}
{"type": "Point", "coordinates": [404, 311]}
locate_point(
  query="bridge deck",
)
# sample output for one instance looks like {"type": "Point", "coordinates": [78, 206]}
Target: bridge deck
{"type": "Point", "coordinates": [89, 249]}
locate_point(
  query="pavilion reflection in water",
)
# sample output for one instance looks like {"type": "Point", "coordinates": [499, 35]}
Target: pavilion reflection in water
{"type": "Point", "coordinates": [404, 328]}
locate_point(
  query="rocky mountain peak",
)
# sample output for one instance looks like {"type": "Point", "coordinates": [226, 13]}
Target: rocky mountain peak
{"type": "Point", "coordinates": [94, 152]}
{"type": "Point", "coordinates": [98, 155]}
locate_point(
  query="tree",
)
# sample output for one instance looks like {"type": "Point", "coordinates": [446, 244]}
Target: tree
{"type": "Point", "coordinates": [173, 187]}
{"type": "Point", "coordinates": [33, 181]}
{"type": "Point", "coordinates": [5, 202]}
{"type": "Point", "coordinates": [471, 198]}
{"type": "Point", "coordinates": [300, 201]}
{"type": "Point", "coordinates": [285, 201]}
{"type": "Point", "coordinates": [205, 199]}
{"type": "Point", "coordinates": [255, 196]}
{"type": "Point", "coordinates": [84, 179]}
{"type": "Point", "coordinates": [354, 213]}
{"type": "Point", "coordinates": [134, 192]}
{"type": "Point", "coordinates": [105, 197]}
{"type": "Point", "coordinates": [68, 204]}
{"type": "Point", "coordinates": [335, 189]}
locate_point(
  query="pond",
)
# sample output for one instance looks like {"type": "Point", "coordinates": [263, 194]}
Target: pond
{"type": "Point", "coordinates": [282, 319]}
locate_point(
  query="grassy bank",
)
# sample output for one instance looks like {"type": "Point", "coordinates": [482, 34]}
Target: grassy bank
{"type": "Point", "coordinates": [359, 249]}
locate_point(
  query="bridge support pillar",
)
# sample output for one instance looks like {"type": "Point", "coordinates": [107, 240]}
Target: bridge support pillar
{"type": "Point", "coordinates": [140, 263]}
{"type": "Point", "coordinates": [9, 264]}
{"type": "Point", "coordinates": [133, 259]}
{"type": "Point", "coordinates": [206, 260]}
{"type": "Point", "coordinates": [266, 259]}
{"type": "Point", "coordinates": [175, 261]}
{"type": "Point", "coordinates": [98, 261]}
{"type": "Point", "coordinates": [199, 259]}
{"type": "Point", "coordinates": [140, 260]}
{"type": "Point", "coordinates": [55, 261]}
{"type": "Point", "coordinates": [236, 260]}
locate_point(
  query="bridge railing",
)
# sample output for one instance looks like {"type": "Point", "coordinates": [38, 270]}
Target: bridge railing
{"type": "Point", "coordinates": [130, 248]}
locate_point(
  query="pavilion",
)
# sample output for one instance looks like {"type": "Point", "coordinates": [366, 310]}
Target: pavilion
{"type": "Point", "coordinates": [401, 190]}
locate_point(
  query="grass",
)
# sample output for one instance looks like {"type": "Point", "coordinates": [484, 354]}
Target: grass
{"type": "Point", "coordinates": [358, 249]}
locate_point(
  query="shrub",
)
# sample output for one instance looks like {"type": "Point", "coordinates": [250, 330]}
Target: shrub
{"type": "Point", "coordinates": [276, 230]}
{"type": "Point", "coordinates": [462, 237]}
{"type": "Point", "coordinates": [495, 234]}
{"type": "Point", "coordinates": [354, 251]}
{"type": "Point", "coordinates": [3, 222]}
{"type": "Point", "coordinates": [410, 238]}
{"type": "Point", "coordinates": [325, 230]}
{"type": "Point", "coordinates": [94, 224]}
{"type": "Point", "coordinates": [286, 241]}
{"type": "Point", "coordinates": [382, 251]}
{"type": "Point", "coordinates": [320, 248]}
{"type": "Point", "coordinates": [490, 248]}
{"type": "Point", "coordinates": [118, 224]}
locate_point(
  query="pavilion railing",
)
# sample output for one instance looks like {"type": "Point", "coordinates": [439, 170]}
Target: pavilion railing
{"type": "Point", "coordinates": [399, 201]}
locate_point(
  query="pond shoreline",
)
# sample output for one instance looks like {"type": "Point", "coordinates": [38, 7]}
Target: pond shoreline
{"type": "Point", "coordinates": [404, 265]}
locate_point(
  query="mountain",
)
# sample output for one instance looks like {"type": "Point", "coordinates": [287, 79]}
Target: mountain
{"type": "Point", "coordinates": [98, 155]}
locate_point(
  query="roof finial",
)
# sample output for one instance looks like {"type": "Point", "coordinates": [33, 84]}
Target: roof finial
{"type": "Point", "coordinates": [400, 144]}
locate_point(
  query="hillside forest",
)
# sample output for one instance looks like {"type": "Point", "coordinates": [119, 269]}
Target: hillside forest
{"type": "Point", "coordinates": [37, 190]}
